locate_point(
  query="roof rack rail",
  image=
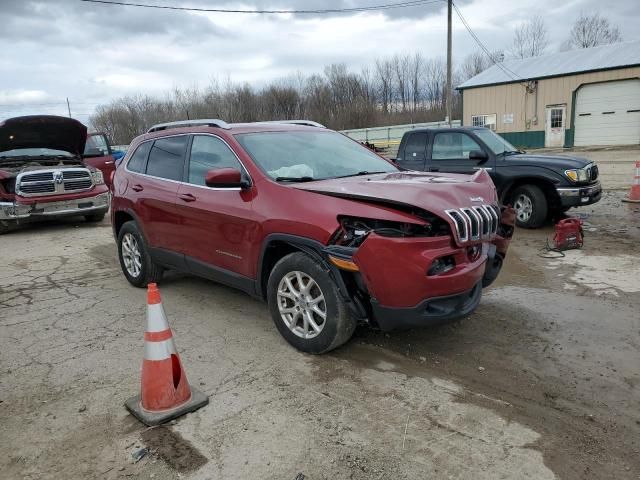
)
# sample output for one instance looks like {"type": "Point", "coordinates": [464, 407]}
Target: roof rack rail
{"type": "Point", "coordinates": [206, 122]}
{"type": "Point", "coordinates": [308, 123]}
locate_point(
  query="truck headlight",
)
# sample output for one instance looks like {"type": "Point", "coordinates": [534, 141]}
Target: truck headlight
{"type": "Point", "coordinates": [98, 178]}
{"type": "Point", "coordinates": [577, 175]}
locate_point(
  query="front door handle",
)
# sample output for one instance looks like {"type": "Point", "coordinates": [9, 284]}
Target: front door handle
{"type": "Point", "coordinates": [434, 169]}
{"type": "Point", "coordinates": [137, 188]}
{"type": "Point", "coordinates": [187, 197]}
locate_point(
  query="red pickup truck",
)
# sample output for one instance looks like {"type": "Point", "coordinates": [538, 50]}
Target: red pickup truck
{"type": "Point", "coordinates": [43, 174]}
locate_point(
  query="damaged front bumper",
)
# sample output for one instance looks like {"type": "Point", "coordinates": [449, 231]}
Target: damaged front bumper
{"type": "Point", "coordinates": [404, 292]}
{"type": "Point", "coordinates": [15, 211]}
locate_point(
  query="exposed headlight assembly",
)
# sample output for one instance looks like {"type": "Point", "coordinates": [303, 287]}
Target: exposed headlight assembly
{"type": "Point", "coordinates": [577, 175]}
{"type": "Point", "coordinates": [98, 178]}
{"type": "Point", "coordinates": [353, 231]}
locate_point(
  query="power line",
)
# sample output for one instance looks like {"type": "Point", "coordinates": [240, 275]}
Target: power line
{"type": "Point", "coordinates": [504, 68]}
{"type": "Point", "coordinates": [412, 3]}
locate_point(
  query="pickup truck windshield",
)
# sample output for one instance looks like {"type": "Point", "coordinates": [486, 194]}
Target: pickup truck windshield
{"type": "Point", "coordinates": [495, 142]}
{"type": "Point", "coordinates": [310, 155]}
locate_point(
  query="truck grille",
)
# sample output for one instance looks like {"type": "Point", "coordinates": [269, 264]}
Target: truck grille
{"type": "Point", "coordinates": [48, 182]}
{"type": "Point", "coordinates": [475, 223]}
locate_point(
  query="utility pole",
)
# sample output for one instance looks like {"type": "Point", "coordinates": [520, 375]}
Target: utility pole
{"type": "Point", "coordinates": [68, 107]}
{"type": "Point", "coordinates": [449, 38]}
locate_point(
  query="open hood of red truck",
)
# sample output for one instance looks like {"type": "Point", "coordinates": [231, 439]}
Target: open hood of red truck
{"type": "Point", "coordinates": [43, 131]}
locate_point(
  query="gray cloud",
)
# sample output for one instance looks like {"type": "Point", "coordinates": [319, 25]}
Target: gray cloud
{"type": "Point", "coordinates": [93, 53]}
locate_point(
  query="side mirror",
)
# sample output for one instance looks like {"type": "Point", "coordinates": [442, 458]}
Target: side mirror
{"type": "Point", "coordinates": [479, 155]}
{"type": "Point", "coordinates": [225, 178]}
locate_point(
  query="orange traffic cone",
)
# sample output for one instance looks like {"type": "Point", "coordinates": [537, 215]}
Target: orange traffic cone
{"type": "Point", "coordinates": [165, 393]}
{"type": "Point", "coordinates": [634, 194]}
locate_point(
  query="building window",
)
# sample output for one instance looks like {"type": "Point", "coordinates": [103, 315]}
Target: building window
{"type": "Point", "coordinates": [556, 117]}
{"type": "Point", "coordinates": [487, 121]}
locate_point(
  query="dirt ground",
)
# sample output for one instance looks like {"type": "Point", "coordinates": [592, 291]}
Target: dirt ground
{"type": "Point", "coordinates": [541, 382]}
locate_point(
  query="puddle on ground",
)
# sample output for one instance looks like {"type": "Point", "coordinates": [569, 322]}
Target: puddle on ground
{"type": "Point", "coordinates": [176, 452]}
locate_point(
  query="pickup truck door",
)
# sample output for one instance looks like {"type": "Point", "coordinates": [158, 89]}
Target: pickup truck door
{"type": "Point", "coordinates": [97, 153]}
{"type": "Point", "coordinates": [413, 151]}
{"type": "Point", "coordinates": [450, 152]}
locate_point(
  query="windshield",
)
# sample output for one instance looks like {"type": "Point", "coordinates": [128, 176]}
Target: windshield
{"type": "Point", "coordinates": [34, 152]}
{"type": "Point", "coordinates": [495, 142]}
{"type": "Point", "coordinates": [310, 155]}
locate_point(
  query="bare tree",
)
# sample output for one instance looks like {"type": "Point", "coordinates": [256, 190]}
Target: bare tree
{"type": "Point", "coordinates": [393, 90]}
{"type": "Point", "coordinates": [530, 39]}
{"type": "Point", "coordinates": [401, 72]}
{"type": "Point", "coordinates": [477, 62]}
{"type": "Point", "coordinates": [384, 78]}
{"type": "Point", "coordinates": [593, 30]}
{"type": "Point", "coordinates": [416, 69]}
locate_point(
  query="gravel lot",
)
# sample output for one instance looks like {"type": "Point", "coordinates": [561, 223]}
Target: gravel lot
{"type": "Point", "coordinates": [541, 382]}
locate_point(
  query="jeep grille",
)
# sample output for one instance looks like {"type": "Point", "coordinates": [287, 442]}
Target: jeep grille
{"type": "Point", "coordinates": [52, 182]}
{"type": "Point", "coordinates": [475, 223]}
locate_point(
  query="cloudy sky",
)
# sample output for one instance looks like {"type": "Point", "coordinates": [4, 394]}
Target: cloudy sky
{"type": "Point", "coordinates": [91, 53]}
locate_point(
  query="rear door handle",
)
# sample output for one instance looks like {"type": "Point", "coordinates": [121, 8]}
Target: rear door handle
{"type": "Point", "coordinates": [137, 188]}
{"type": "Point", "coordinates": [187, 197]}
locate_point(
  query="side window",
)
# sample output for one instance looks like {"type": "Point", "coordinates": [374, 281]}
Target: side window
{"type": "Point", "coordinates": [166, 159]}
{"type": "Point", "coordinates": [139, 158]}
{"type": "Point", "coordinates": [207, 153]}
{"type": "Point", "coordinates": [416, 147]}
{"type": "Point", "coordinates": [453, 146]}
{"type": "Point", "coordinates": [96, 145]}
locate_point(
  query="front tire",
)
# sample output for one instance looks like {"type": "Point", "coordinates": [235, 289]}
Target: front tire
{"type": "Point", "coordinates": [135, 260]}
{"type": "Point", "coordinates": [531, 206]}
{"type": "Point", "coordinates": [5, 227]}
{"type": "Point", "coordinates": [306, 305]}
{"type": "Point", "coordinates": [95, 218]}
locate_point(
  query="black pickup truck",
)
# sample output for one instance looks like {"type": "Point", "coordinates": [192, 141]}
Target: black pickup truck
{"type": "Point", "coordinates": [537, 186]}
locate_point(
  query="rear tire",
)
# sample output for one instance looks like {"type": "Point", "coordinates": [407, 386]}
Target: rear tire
{"type": "Point", "coordinates": [135, 260]}
{"type": "Point", "coordinates": [296, 285]}
{"type": "Point", "coordinates": [531, 206]}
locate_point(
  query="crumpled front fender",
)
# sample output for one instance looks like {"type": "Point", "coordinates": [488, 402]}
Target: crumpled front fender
{"type": "Point", "coordinates": [505, 230]}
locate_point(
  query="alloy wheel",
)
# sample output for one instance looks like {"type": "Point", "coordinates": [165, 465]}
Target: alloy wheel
{"type": "Point", "coordinates": [131, 255]}
{"type": "Point", "coordinates": [524, 208]}
{"type": "Point", "coordinates": [302, 305]}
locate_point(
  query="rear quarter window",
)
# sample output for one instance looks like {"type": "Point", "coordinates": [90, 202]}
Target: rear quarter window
{"type": "Point", "coordinates": [139, 158]}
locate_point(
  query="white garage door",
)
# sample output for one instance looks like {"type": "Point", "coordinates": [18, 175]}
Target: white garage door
{"type": "Point", "coordinates": [608, 114]}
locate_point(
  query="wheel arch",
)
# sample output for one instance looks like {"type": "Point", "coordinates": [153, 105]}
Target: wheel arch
{"type": "Point", "coordinates": [276, 246]}
{"type": "Point", "coordinates": [547, 187]}
{"type": "Point", "coordinates": [120, 217]}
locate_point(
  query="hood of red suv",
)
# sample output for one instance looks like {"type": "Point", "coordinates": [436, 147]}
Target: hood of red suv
{"type": "Point", "coordinates": [434, 192]}
{"type": "Point", "coordinates": [43, 131]}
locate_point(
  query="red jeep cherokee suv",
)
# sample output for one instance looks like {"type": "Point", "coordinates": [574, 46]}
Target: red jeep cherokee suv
{"type": "Point", "coordinates": [328, 232]}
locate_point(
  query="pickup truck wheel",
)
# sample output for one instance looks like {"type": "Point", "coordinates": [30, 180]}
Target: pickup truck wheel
{"type": "Point", "coordinates": [5, 227]}
{"type": "Point", "coordinates": [97, 217]}
{"type": "Point", "coordinates": [530, 205]}
{"type": "Point", "coordinates": [135, 261]}
{"type": "Point", "coordinates": [306, 305]}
